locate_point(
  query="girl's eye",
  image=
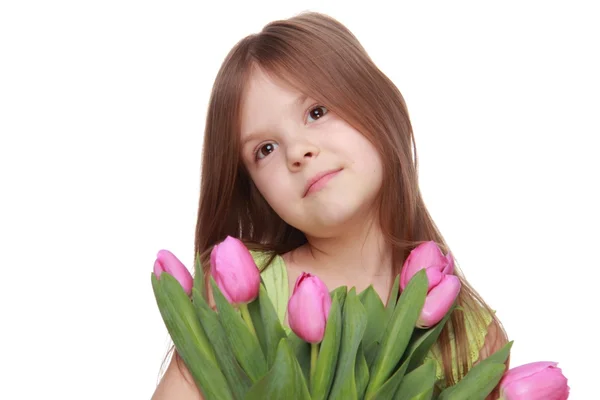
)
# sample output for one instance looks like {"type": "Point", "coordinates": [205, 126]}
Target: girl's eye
{"type": "Point", "coordinates": [265, 150]}
{"type": "Point", "coordinates": [317, 112]}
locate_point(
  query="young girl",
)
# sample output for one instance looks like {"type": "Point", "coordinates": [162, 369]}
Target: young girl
{"type": "Point", "coordinates": [309, 158]}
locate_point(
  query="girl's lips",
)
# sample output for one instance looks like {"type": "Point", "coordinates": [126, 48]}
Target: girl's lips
{"type": "Point", "coordinates": [320, 180]}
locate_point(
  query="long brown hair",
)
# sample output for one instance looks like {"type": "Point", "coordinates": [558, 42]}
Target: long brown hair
{"type": "Point", "coordinates": [320, 57]}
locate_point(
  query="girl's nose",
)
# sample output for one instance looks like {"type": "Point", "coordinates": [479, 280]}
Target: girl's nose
{"type": "Point", "coordinates": [300, 153]}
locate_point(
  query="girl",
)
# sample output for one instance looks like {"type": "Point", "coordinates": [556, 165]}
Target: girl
{"type": "Point", "coordinates": [309, 157]}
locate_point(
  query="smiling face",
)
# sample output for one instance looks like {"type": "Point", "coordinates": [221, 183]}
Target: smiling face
{"type": "Point", "coordinates": [289, 141]}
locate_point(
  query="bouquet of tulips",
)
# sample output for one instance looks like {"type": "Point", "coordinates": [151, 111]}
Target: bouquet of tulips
{"type": "Point", "coordinates": [342, 344]}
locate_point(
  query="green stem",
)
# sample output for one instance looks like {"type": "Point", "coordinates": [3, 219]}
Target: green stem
{"type": "Point", "coordinates": [247, 318]}
{"type": "Point", "coordinates": [314, 352]}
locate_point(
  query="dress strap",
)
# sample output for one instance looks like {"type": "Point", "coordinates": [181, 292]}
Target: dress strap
{"type": "Point", "coordinates": [275, 279]}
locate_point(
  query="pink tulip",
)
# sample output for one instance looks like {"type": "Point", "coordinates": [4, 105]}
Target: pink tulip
{"type": "Point", "coordinates": [167, 262]}
{"type": "Point", "coordinates": [534, 381]}
{"type": "Point", "coordinates": [235, 271]}
{"type": "Point", "coordinates": [308, 308]}
{"type": "Point", "coordinates": [443, 286]}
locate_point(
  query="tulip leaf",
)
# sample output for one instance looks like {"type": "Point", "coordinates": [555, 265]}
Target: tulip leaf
{"type": "Point", "coordinates": [371, 353]}
{"type": "Point", "coordinates": [362, 372]}
{"type": "Point", "coordinates": [245, 345]}
{"type": "Point", "coordinates": [238, 380]}
{"type": "Point", "coordinates": [420, 380]}
{"type": "Point", "coordinates": [387, 390]}
{"type": "Point", "coordinates": [398, 331]}
{"type": "Point", "coordinates": [189, 338]}
{"type": "Point", "coordinates": [273, 331]}
{"type": "Point", "coordinates": [422, 342]}
{"type": "Point", "coordinates": [354, 322]}
{"type": "Point", "coordinates": [479, 382]}
{"type": "Point", "coordinates": [481, 379]}
{"type": "Point", "coordinates": [199, 282]}
{"type": "Point", "coordinates": [393, 299]}
{"type": "Point", "coordinates": [341, 291]}
{"type": "Point", "coordinates": [426, 395]}
{"type": "Point", "coordinates": [328, 352]}
{"type": "Point", "coordinates": [375, 316]}
{"type": "Point", "coordinates": [254, 311]}
{"type": "Point", "coordinates": [301, 350]}
{"type": "Point", "coordinates": [283, 381]}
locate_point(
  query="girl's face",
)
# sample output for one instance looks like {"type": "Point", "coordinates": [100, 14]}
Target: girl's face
{"type": "Point", "coordinates": [289, 142]}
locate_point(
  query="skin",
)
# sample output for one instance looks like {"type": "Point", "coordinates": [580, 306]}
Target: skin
{"type": "Point", "coordinates": [287, 139]}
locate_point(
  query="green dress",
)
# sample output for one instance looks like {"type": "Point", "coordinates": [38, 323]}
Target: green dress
{"type": "Point", "coordinates": [275, 279]}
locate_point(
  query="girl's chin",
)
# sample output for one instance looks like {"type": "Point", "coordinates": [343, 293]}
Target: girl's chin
{"type": "Point", "coordinates": [326, 226]}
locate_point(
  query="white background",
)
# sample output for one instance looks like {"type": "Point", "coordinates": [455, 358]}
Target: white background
{"type": "Point", "coordinates": [102, 109]}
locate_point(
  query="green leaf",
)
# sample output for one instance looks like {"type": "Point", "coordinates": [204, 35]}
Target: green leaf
{"type": "Point", "coordinates": [189, 338]}
{"type": "Point", "coordinates": [362, 372]}
{"type": "Point", "coordinates": [477, 384]}
{"type": "Point", "coordinates": [375, 316]}
{"type": "Point", "coordinates": [328, 353]}
{"type": "Point", "coordinates": [372, 349]}
{"type": "Point", "coordinates": [238, 380]}
{"type": "Point", "coordinates": [371, 352]}
{"type": "Point", "coordinates": [199, 277]}
{"type": "Point", "coordinates": [244, 344]}
{"type": "Point", "coordinates": [270, 324]}
{"type": "Point", "coordinates": [283, 381]}
{"type": "Point", "coordinates": [254, 311]}
{"type": "Point", "coordinates": [422, 341]}
{"type": "Point", "coordinates": [387, 390]}
{"type": "Point", "coordinates": [482, 378]}
{"type": "Point", "coordinates": [426, 395]}
{"type": "Point", "coordinates": [420, 380]}
{"type": "Point", "coordinates": [399, 331]}
{"type": "Point", "coordinates": [354, 322]}
{"type": "Point", "coordinates": [342, 292]}
{"type": "Point", "coordinates": [393, 299]}
{"type": "Point", "coordinates": [301, 351]}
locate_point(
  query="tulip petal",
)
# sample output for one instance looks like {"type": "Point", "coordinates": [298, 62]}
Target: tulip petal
{"type": "Point", "coordinates": [158, 269]}
{"type": "Point", "coordinates": [168, 262]}
{"type": "Point", "coordinates": [524, 371]}
{"type": "Point", "coordinates": [434, 277]}
{"type": "Point", "coordinates": [438, 301]}
{"type": "Point", "coordinates": [308, 308]}
{"type": "Point", "coordinates": [304, 321]}
{"type": "Point", "coordinates": [426, 255]}
{"type": "Point", "coordinates": [547, 384]}
{"type": "Point", "coordinates": [234, 270]}
{"type": "Point", "coordinates": [449, 268]}
{"type": "Point", "coordinates": [299, 280]}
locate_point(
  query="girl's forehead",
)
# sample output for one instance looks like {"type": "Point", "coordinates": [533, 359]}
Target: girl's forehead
{"type": "Point", "coordinates": [266, 97]}
{"type": "Point", "coordinates": [266, 87]}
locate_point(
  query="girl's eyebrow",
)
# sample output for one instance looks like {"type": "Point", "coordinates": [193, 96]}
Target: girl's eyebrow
{"type": "Point", "coordinates": [251, 137]}
{"type": "Point", "coordinates": [301, 99]}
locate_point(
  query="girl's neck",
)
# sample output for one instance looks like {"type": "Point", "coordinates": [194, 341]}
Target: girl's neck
{"type": "Point", "coordinates": [358, 258]}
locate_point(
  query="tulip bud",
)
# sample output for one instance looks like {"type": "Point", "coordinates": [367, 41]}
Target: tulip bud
{"type": "Point", "coordinates": [534, 381]}
{"type": "Point", "coordinates": [308, 308]}
{"type": "Point", "coordinates": [235, 271]}
{"type": "Point", "coordinates": [167, 262]}
{"type": "Point", "coordinates": [443, 287]}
